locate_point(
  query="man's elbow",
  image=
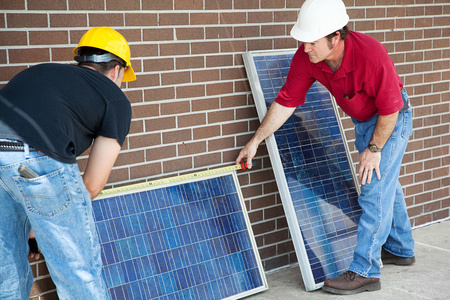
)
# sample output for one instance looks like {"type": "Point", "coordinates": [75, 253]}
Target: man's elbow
{"type": "Point", "coordinates": [94, 190]}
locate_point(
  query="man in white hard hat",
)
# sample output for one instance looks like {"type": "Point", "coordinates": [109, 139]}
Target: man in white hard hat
{"type": "Point", "coordinates": [356, 69]}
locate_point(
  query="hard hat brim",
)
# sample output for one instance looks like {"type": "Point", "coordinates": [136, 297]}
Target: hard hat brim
{"type": "Point", "coordinates": [304, 36]}
{"type": "Point", "coordinates": [129, 75]}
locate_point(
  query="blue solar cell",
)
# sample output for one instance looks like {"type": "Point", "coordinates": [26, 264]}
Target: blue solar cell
{"type": "Point", "coordinates": [184, 241]}
{"type": "Point", "coordinates": [310, 161]}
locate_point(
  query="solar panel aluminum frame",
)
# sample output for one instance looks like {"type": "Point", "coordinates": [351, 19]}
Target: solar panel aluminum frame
{"type": "Point", "coordinates": [175, 182]}
{"type": "Point", "coordinates": [277, 165]}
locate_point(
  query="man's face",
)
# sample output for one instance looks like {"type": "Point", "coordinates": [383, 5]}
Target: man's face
{"type": "Point", "coordinates": [318, 50]}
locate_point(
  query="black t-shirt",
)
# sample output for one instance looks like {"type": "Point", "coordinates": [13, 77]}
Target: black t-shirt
{"type": "Point", "coordinates": [59, 109]}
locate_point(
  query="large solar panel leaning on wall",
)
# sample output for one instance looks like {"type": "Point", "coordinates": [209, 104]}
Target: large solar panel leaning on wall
{"type": "Point", "coordinates": [185, 240]}
{"type": "Point", "coordinates": [313, 171]}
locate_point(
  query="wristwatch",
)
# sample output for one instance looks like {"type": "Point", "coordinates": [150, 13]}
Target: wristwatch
{"type": "Point", "coordinates": [374, 148]}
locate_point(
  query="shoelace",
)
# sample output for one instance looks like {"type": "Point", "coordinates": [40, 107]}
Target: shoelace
{"type": "Point", "coordinates": [349, 275]}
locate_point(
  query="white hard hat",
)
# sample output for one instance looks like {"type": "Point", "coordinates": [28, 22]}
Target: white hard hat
{"type": "Point", "coordinates": [319, 18]}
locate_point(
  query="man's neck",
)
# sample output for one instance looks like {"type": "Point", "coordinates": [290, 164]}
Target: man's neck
{"type": "Point", "coordinates": [336, 57]}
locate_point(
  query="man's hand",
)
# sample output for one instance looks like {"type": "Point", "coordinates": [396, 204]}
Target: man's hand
{"type": "Point", "coordinates": [247, 154]}
{"type": "Point", "coordinates": [369, 161]}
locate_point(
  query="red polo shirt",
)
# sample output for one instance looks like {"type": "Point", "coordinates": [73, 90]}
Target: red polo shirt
{"type": "Point", "coordinates": [367, 76]}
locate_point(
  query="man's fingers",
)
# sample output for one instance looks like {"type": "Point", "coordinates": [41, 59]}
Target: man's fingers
{"type": "Point", "coordinates": [366, 174]}
{"type": "Point", "coordinates": [240, 157]}
{"type": "Point", "coordinates": [369, 175]}
{"type": "Point", "coordinates": [378, 173]}
{"type": "Point", "coordinates": [361, 173]}
{"type": "Point", "coordinates": [363, 177]}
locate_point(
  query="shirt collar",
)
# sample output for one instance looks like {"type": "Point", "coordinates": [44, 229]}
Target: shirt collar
{"type": "Point", "coordinates": [348, 62]}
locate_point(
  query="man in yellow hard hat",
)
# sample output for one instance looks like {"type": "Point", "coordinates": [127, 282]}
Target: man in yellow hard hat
{"type": "Point", "coordinates": [50, 114]}
{"type": "Point", "coordinates": [357, 70]}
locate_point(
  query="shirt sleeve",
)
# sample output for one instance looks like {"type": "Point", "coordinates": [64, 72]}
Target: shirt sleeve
{"type": "Point", "coordinates": [298, 82]}
{"type": "Point", "coordinates": [385, 86]}
{"type": "Point", "coordinates": [117, 120]}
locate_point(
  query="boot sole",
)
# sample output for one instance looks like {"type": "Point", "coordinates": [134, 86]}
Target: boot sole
{"type": "Point", "coordinates": [367, 288]}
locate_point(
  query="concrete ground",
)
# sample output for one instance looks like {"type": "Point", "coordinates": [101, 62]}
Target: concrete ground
{"type": "Point", "coordinates": [428, 278]}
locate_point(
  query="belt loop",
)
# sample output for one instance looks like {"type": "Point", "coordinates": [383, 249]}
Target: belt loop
{"type": "Point", "coordinates": [26, 148]}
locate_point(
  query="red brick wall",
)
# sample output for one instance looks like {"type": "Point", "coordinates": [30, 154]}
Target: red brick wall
{"type": "Point", "coordinates": [192, 105]}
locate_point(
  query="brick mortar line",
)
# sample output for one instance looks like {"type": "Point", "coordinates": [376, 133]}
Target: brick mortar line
{"type": "Point", "coordinates": [425, 203]}
{"type": "Point", "coordinates": [423, 193]}
{"type": "Point", "coordinates": [226, 67]}
{"type": "Point", "coordinates": [205, 55]}
{"type": "Point", "coordinates": [212, 25]}
{"type": "Point", "coordinates": [38, 296]}
{"type": "Point", "coordinates": [432, 114]}
{"type": "Point", "coordinates": [206, 26]}
{"type": "Point", "coordinates": [187, 84]}
{"type": "Point", "coordinates": [265, 221]}
{"type": "Point", "coordinates": [188, 11]}
{"type": "Point", "coordinates": [276, 243]}
{"type": "Point", "coordinates": [42, 276]}
{"type": "Point", "coordinates": [404, 164]}
{"type": "Point", "coordinates": [430, 126]}
{"type": "Point", "coordinates": [247, 38]}
{"type": "Point", "coordinates": [231, 67]}
{"type": "Point", "coordinates": [249, 132]}
{"type": "Point", "coordinates": [162, 175]}
{"type": "Point", "coordinates": [192, 113]}
{"type": "Point", "coordinates": [199, 83]}
{"type": "Point", "coordinates": [177, 157]}
{"type": "Point", "coordinates": [165, 11]}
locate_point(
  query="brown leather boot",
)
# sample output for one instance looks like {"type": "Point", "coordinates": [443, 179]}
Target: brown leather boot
{"type": "Point", "coordinates": [389, 258]}
{"type": "Point", "coordinates": [350, 283]}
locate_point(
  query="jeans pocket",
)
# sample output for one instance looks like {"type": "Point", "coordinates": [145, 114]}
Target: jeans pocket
{"type": "Point", "coordinates": [407, 124]}
{"type": "Point", "coordinates": [46, 195]}
{"type": "Point", "coordinates": [364, 132]}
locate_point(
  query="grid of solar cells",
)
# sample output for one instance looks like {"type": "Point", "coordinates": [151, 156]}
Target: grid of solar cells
{"type": "Point", "coordinates": [317, 171]}
{"type": "Point", "coordinates": [185, 241]}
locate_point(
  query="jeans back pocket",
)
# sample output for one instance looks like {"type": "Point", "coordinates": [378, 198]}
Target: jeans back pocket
{"type": "Point", "coordinates": [407, 124]}
{"type": "Point", "coordinates": [46, 195]}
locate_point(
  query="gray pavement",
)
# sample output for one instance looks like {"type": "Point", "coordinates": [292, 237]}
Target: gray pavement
{"type": "Point", "coordinates": [428, 278]}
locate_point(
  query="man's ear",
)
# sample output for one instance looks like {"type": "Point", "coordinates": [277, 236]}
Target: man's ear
{"type": "Point", "coordinates": [113, 73]}
{"type": "Point", "coordinates": [336, 38]}
{"type": "Point", "coordinates": [116, 73]}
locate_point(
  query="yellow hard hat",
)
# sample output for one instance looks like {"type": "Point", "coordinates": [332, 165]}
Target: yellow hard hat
{"type": "Point", "coordinates": [108, 39]}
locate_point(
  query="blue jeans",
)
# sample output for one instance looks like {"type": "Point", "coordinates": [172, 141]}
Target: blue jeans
{"type": "Point", "coordinates": [384, 222]}
{"type": "Point", "coordinates": [58, 208]}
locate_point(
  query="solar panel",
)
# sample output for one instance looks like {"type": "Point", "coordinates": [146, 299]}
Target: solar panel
{"type": "Point", "coordinates": [185, 240]}
{"type": "Point", "coordinates": [313, 171]}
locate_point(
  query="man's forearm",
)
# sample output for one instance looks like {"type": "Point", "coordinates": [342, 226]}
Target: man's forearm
{"type": "Point", "coordinates": [383, 129]}
{"type": "Point", "coordinates": [275, 117]}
